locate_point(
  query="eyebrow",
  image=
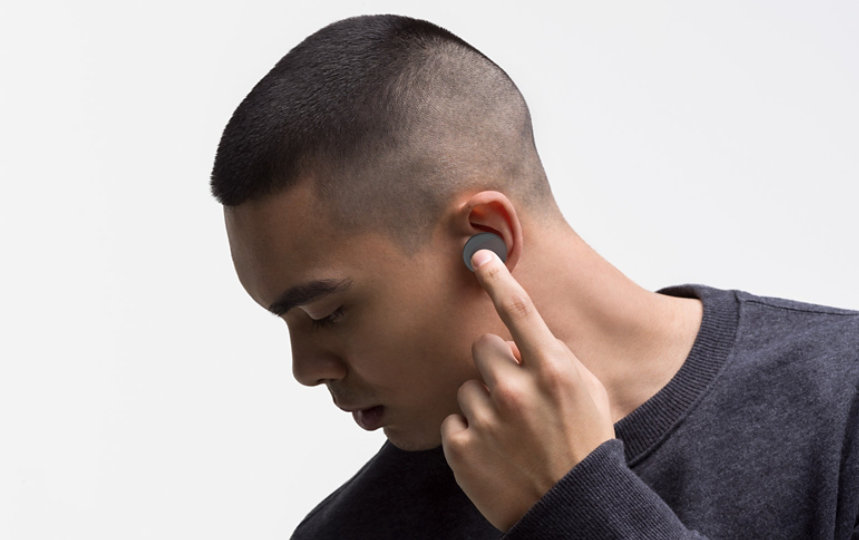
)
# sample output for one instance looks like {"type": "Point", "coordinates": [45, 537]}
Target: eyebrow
{"type": "Point", "coordinates": [306, 293]}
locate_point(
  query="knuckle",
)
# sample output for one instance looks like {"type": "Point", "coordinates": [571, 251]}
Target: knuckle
{"type": "Point", "coordinates": [558, 365]}
{"type": "Point", "coordinates": [600, 394]}
{"type": "Point", "coordinates": [455, 445]}
{"type": "Point", "coordinates": [555, 376]}
{"type": "Point", "coordinates": [518, 306]}
{"type": "Point", "coordinates": [447, 427]}
{"type": "Point", "coordinates": [491, 271]}
{"type": "Point", "coordinates": [467, 389]}
{"type": "Point", "coordinates": [450, 428]}
{"type": "Point", "coordinates": [482, 343]}
{"type": "Point", "coordinates": [509, 395]}
{"type": "Point", "coordinates": [596, 387]}
{"type": "Point", "coordinates": [480, 421]}
{"type": "Point", "coordinates": [462, 391]}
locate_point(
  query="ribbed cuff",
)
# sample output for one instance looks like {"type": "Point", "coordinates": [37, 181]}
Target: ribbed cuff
{"type": "Point", "coordinates": [600, 498]}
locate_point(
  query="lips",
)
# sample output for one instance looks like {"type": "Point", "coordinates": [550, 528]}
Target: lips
{"type": "Point", "coordinates": [369, 419]}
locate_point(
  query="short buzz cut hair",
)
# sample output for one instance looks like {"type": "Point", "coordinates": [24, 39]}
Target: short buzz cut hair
{"type": "Point", "coordinates": [389, 117]}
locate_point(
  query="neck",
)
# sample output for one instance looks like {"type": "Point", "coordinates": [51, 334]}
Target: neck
{"type": "Point", "coordinates": [632, 339]}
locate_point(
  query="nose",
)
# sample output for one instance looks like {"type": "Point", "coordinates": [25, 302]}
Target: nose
{"type": "Point", "coordinates": [313, 365]}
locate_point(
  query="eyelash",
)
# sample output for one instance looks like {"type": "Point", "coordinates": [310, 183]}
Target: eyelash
{"type": "Point", "coordinates": [330, 320]}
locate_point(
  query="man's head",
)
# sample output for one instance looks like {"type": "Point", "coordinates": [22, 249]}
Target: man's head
{"type": "Point", "coordinates": [352, 175]}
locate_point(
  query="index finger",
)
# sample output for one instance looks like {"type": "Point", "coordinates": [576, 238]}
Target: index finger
{"type": "Point", "coordinates": [513, 305]}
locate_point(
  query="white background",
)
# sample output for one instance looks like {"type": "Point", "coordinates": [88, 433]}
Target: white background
{"type": "Point", "coordinates": [143, 395]}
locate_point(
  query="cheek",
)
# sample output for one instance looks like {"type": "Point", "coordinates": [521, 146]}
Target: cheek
{"type": "Point", "coordinates": [442, 335]}
{"type": "Point", "coordinates": [421, 340]}
{"type": "Point", "coordinates": [420, 326]}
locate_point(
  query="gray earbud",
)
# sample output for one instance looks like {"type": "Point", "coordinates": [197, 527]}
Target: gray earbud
{"type": "Point", "coordinates": [485, 240]}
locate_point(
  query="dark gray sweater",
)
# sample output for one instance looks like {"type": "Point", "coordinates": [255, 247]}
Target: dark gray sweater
{"type": "Point", "coordinates": [757, 436]}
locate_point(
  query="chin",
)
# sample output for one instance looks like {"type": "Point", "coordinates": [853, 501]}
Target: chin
{"type": "Point", "coordinates": [412, 442]}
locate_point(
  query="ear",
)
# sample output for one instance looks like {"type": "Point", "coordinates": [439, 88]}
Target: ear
{"type": "Point", "coordinates": [491, 211]}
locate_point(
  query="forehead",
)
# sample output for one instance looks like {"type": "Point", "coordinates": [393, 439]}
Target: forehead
{"type": "Point", "coordinates": [284, 239]}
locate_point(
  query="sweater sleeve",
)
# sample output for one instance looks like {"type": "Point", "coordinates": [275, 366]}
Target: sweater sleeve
{"type": "Point", "coordinates": [601, 498]}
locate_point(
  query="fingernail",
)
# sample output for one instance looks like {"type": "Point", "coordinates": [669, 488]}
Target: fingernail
{"type": "Point", "coordinates": [481, 257]}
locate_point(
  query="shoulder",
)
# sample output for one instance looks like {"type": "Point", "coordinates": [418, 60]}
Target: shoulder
{"type": "Point", "coordinates": [804, 351]}
{"type": "Point", "coordinates": [799, 328]}
{"type": "Point", "coordinates": [779, 349]}
{"type": "Point", "coordinates": [762, 327]}
{"type": "Point", "coordinates": [787, 306]}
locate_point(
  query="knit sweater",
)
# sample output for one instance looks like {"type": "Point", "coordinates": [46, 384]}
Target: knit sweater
{"type": "Point", "coordinates": [756, 436]}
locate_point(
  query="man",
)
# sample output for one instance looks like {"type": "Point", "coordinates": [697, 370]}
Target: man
{"type": "Point", "coordinates": [547, 396]}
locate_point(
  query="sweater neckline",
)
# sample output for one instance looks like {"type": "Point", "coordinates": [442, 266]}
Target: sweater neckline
{"type": "Point", "coordinates": [643, 430]}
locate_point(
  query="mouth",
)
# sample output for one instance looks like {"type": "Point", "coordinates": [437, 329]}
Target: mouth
{"type": "Point", "coordinates": [371, 418]}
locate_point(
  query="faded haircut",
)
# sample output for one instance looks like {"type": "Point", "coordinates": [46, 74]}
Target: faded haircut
{"type": "Point", "coordinates": [389, 117]}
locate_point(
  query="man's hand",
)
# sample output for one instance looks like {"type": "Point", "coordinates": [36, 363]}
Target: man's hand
{"type": "Point", "coordinates": [536, 414]}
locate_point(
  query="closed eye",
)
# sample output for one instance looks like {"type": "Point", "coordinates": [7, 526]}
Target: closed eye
{"type": "Point", "coordinates": [330, 320]}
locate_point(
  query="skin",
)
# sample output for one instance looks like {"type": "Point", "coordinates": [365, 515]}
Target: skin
{"type": "Point", "coordinates": [535, 412]}
{"type": "Point", "coordinates": [519, 370]}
